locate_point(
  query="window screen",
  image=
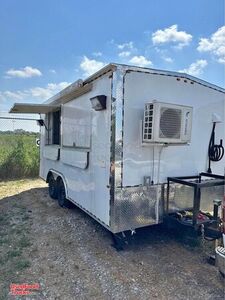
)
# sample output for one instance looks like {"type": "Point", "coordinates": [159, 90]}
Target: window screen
{"type": "Point", "coordinates": [52, 131]}
{"type": "Point", "coordinates": [76, 127]}
{"type": "Point", "coordinates": [56, 128]}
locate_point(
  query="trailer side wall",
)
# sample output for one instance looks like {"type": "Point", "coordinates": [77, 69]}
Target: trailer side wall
{"type": "Point", "coordinates": [84, 166]}
{"type": "Point", "coordinates": [174, 160]}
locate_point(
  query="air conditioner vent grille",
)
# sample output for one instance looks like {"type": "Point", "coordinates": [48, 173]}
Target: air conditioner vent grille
{"type": "Point", "coordinates": [148, 121]}
{"type": "Point", "coordinates": [166, 123]}
{"type": "Point", "coordinates": [170, 123]}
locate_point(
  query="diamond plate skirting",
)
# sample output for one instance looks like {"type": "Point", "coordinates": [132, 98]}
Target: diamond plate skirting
{"type": "Point", "coordinates": [136, 207]}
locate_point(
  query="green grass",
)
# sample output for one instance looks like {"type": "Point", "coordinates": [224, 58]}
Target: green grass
{"type": "Point", "coordinates": [14, 253]}
{"type": "Point", "coordinates": [19, 155]}
{"type": "Point", "coordinates": [24, 242]}
{"type": "Point", "coordinates": [14, 240]}
{"type": "Point", "coordinates": [22, 264]}
{"type": "Point", "coordinates": [4, 220]}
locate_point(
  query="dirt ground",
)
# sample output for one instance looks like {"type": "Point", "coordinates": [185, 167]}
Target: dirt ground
{"type": "Point", "coordinates": [70, 255]}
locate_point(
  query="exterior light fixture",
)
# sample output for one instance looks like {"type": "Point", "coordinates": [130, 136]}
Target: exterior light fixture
{"type": "Point", "coordinates": [41, 122]}
{"type": "Point", "coordinates": [98, 102]}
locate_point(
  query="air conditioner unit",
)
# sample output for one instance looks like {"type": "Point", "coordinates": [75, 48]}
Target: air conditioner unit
{"type": "Point", "coordinates": [167, 123]}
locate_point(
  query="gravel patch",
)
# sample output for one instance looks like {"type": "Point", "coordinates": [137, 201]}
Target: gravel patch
{"type": "Point", "coordinates": [72, 258]}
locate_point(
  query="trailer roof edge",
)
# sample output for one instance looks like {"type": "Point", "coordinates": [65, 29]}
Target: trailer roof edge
{"type": "Point", "coordinates": [171, 73]}
{"type": "Point", "coordinates": [79, 84]}
{"type": "Point", "coordinates": [104, 70]}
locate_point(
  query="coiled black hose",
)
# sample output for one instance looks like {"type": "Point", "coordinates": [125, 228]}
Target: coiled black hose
{"type": "Point", "coordinates": [215, 152]}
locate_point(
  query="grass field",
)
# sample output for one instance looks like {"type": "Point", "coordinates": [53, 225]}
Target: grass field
{"type": "Point", "coordinates": [19, 155]}
{"type": "Point", "coordinates": [14, 240]}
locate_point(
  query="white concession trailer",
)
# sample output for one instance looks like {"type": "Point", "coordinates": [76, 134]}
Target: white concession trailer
{"type": "Point", "coordinates": [110, 143]}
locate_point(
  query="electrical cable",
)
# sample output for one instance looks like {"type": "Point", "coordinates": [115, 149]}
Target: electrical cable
{"type": "Point", "coordinates": [153, 165]}
{"type": "Point", "coordinates": [215, 152]}
{"type": "Point", "coordinates": [158, 186]}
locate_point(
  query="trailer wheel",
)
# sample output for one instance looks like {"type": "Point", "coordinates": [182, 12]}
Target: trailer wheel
{"type": "Point", "coordinates": [63, 202]}
{"type": "Point", "coordinates": [52, 188]}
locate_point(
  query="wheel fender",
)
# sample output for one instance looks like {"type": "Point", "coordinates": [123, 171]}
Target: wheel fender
{"type": "Point", "coordinates": [57, 176]}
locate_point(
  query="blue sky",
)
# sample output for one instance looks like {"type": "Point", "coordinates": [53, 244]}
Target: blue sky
{"type": "Point", "coordinates": [45, 45]}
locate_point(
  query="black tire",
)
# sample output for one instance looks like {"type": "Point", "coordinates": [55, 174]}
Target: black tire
{"type": "Point", "coordinates": [52, 188]}
{"type": "Point", "coordinates": [63, 202]}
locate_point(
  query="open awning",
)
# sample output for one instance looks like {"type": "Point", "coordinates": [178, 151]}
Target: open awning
{"type": "Point", "coordinates": [31, 108]}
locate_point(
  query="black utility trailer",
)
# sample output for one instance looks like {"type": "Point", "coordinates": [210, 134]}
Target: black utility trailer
{"type": "Point", "coordinates": [192, 219]}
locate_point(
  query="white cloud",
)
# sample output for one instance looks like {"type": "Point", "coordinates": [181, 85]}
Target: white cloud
{"type": "Point", "coordinates": [90, 66]}
{"type": "Point", "coordinates": [195, 68]}
{"type": "Point", "coordinates": [41, 93]}
{"type": "Point", "coordinates": [171, 34]}
{"type": "Point", "coordinates": [15, 95]}
{"type": "Point", "coordinates": [26, 72]}
{"type": "Point", "coordinates": [48, 91]}
{"type": "Point", "coordinates": [97, 54]}
{"type": "Point", "coordinates": [129, 45]}
{"type": "Point", "coordinates": [215, 44]}
{"type": "Point", "coordinates": [6, 96]}
{"type": "Point", "coordinates": [164, 54]}
{"type": "Point", "coordinates": [124, 54]}
{"type": "Point", "coordinates": [2, 98]}
{"type": "Point", "coordinates": [160, 50]}
{"type": "Point", "coordinates": [52, 71]}
{"type": "Point", "coordinates": [167, 59]}
{"type": "Point", "coordinates": [18, 95]}
{"type": "Point", "coordinates": [140, 61]}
